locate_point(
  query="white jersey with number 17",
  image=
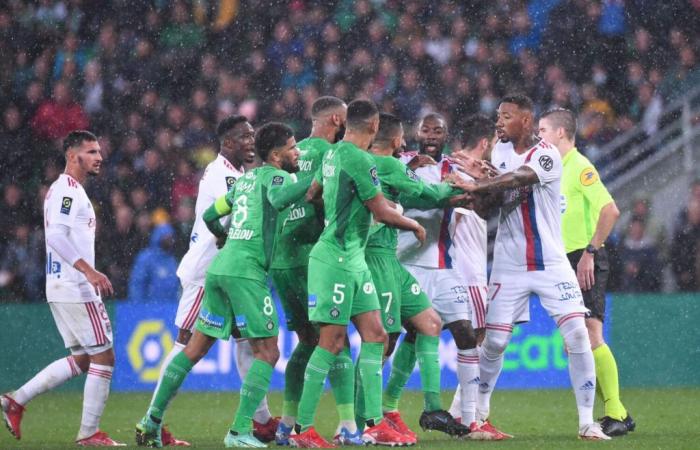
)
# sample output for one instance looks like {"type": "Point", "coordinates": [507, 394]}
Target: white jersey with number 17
{"type": "Point", "coordinates": [219, 177]}
{"type": "Point", "coordinates": [529, 228]}
{"type": "Point", "coordinates": [67, 204]}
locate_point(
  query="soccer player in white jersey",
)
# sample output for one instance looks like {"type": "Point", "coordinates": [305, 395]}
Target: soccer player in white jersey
{"type": "Point", "coordinates": [74, 291]}
{"type": "Point", "coordinates": [236, 148]}
{"type": "Point", "coordinates": [432, 263]}
{"type": "Point", "coordinates": [529, 258]}
{"type": "Point", "coordinates": [469, 238]}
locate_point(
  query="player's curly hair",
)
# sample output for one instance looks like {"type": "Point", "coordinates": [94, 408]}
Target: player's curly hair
{"type": "Point", "coordinates": [270, 136]}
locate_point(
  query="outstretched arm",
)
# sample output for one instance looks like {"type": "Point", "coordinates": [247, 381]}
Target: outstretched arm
{"type": "Point", "coordinates": [523, 176]}
{"type": "Point", "coordinates": [383, 212]}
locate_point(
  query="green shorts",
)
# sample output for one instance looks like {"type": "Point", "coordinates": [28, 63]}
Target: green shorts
{"type": "Point", "coordinates": [291, 287]}
{"type": "Point", "coordinates": [336, 295]}
{"type": "Point", "coordinates": [232, 303]}
{"type": "Point", "coordinates": [400, 295]}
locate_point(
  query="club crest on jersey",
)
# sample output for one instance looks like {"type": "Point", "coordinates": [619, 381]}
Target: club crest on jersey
{"type": "Point", "coordinates": [546, 162]}
{"type": "Point", "coordinates": [411, 174]}
{"type": "Point", "coordinates": [588, 176]}
{"type": "Point", "coordinates": [66, 204]}
{"type": "Point", "coordinates": [415, 289]}
{"type": "Point", "coordinates": [368, 287]}
{"type": "Point", "coordinates": [277, 180]}
{"type": "Point", "coordinates": [270, 325]}
{"type": "Point", "coordinates": [335, 313]}
{"type": "Point", "coordinates": [390, 319]}
{"type": "Point", "coordinates": [230, 182]}
{"type": "Point", "coordinates": [374, 175]}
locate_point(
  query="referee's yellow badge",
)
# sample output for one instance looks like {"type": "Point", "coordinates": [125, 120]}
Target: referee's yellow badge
{"type": "Point", "coordinates": [588, 176]}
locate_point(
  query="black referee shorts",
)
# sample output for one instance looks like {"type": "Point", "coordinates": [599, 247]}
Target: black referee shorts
{"type": "Point", "coordinates": [594, 298]}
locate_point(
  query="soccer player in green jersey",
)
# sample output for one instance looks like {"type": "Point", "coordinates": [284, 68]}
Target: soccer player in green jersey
{"type": "Point", "coordinates": [340, 285]}
{"type": "Point", "coordinates": [588, 218]}
{"type": "Point", "coordinates": [298, 229]}
{"type": "Point", "coordinates": [400, 296]}
{"type": "Point", "coordinates": [237, 298]}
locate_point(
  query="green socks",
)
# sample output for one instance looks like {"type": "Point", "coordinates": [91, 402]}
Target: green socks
{"type": "Point", "coordinates": [404, 361]}
{"type": "Point", "coordinates": [429, 366]}
{"type": "Point", "coordinates": [342, 378]}
{"type": "Point", "coordinates": [606, 375]}
{"type": "Point", "coordinates": [255, 386]}
{"type": "Point", "coordinates": [293, 378]}
{"type": "Point", "coordinates": [370, 371]}
{"type": "Point", "coordinates": [174, 375]}
{"type": "Point", "coordinates": [314, 380]}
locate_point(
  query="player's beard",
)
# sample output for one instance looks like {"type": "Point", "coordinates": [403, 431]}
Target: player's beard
{"type": "Point", "coordinates": [339, 135]}
{"type": "Point", "coordinates": [290, 167]}
{"type": "Point", "coordinates": [89, 170]}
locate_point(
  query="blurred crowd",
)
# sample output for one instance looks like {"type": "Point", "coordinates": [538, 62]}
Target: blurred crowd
{"type": "Point", "coordinates": [153, 78]}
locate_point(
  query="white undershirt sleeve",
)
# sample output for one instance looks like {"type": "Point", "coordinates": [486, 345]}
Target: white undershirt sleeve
{"type": "Point", "coordinates": [57, 239]}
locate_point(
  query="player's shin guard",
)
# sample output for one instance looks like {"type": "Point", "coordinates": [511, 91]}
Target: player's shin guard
{"type": "Point", "coordinates": [314, 379]}
{"type": "Point", "coordinates": [254, 388]}
{"type": "Point", "coordinates": [342, 379]}
{"type": "Point", "coordinates": [401, 369]}
{"type": "Point", "coordinates": [177, 348]}
{"type": "Point", "coordinates": [370, 370]}
{"type": "Point", "coordinates": [175, 374]}
{"type": "Point", "coordinates": [51, 376]}
{"type": "Point", "coordinates": [607, 379]}
{"type": "Point", "coordinates": [581, 364]}
{"type": "Point", "coordinates": [244, 360]}
{"type": "Point", "coordinates": [429, 366]}
{"type": "Point", "coordinates": [293, 382]}
{"type": "Point", "coordinates": [490, 364]}
{"type": "Point", "coordinates": [95, 396]}
{"type": "Point", "coordinates": [468, 373]}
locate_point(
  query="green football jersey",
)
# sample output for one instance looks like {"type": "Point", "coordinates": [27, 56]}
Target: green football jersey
{"type": "Point", "coordinates": [349, 178]}
{"type": "Point", "coordinates": [254, 205]}
{"type": "Point", "coordinates": [299, 227]}
{"type": "Point", "coordinates": [396, 178]}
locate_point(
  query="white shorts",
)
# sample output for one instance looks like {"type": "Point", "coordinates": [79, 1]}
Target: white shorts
{"type": "Point", "coordinates": [84, 327]}
{"type": "Point", "coordinates": [509, 294]}
{"type": "Point", "coordinates": [188, 308]}
{"type": "Point", "coordinates": [478, 296]}
{"type": "Point", "coordinates": [446, 292]}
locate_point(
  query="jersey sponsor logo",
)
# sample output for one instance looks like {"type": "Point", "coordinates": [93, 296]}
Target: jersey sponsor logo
{"type": "Point", "coordinates": [328, 170]}
{"type": "Point", "coordinates": [374, 175]}
{"type": "Point", "coordinates": [312, 300]}
{"type": "Point", "coordinates": [230, 182]}
{"type": "Point", "coordinates": [66, 205]}
{"type": "Point", "coordinates": [53, 267]}
{"type": "Point", "coordinates": [296, 214]}
{"type": "Point", "coordinates": [277, 180]}
{"type": "Point", "coordinates": [211, 320]}
{"type": "Point", "coordinates": [240, 321]}
{"type": "Point", "coordinates": [546, 162]}
{"type": "Point", "coordinates": [588, 176]}
{"type": "Point", "coordinates": [240, 234]}
{"type": "Point", "coordinates": [411, 174]}
{"type": "Point", "coordinates": [305, 165]}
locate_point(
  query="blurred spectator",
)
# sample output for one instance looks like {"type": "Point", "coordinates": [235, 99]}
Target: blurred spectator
{"type": "Point", "coordinates": [153, 273]}
{"type": "Point", "coordinates": [685, 249]}
{"type": "Point", "coordinates": [22, 267]}
{"type": "Point", "coordinates": [640, 260]}
{"type": "Point", "coordinates": [59, 115]}
{"type": "Point", "coordinates": [117, 259]}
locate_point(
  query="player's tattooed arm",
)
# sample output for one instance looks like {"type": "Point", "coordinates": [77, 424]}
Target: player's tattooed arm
{"type": "Point", "coordinates": [384, 213]}
{"type": "Point", "coordinates": [220, 208]}
{"type": "Point", "coordinates": [523, 176]}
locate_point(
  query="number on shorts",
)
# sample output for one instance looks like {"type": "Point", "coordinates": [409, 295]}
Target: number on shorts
{"type": "Point", "coordinates": [338, 294]}
{"type": "Point", "coordinates": [495, 292]}
{"type": "Point", "coordinates": [267, 306]}
{"type": "Point", "coordinates": [390, 297]}
{"type": "Point", "coordinates": [241, 213]}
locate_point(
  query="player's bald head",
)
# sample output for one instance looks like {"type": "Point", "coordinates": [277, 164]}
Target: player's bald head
{"type": "Point", "coordinates": [434, 118]}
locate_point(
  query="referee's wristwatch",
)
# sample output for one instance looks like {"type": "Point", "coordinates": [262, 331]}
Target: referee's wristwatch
{"type": "Point", "coordinates": [591, 249]}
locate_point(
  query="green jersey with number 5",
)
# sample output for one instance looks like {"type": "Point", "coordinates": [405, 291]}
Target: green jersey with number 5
{"type": "Point", "coordinates": [253, 205]}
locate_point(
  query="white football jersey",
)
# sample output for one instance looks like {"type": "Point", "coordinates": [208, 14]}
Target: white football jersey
{"type": "Point", "coordinates": [529, 226]}
{"type": "Point", "coordinates": [470, 242]}
{"type": "Point", "coordinates": [66, 203]}
{"type": "Point", "coordinates": [437, 252]}
{"type": "Point", "coordinates": [219, 177]}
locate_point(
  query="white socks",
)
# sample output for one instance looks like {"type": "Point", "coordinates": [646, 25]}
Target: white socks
{"type": "Point", "coordinates": [490, 364]}
{"type": "Point", "coordinates": [55, 374]}
{"type": "Point", "coordinates": [94, 398]}
{"type": "Point", "coordinates": [244, 359]}
{"type": "Point", "coordinates": [581, 364]}
{"type": "Point", "coordinates": [468, 375]}
{"type": "Point", "coordinates": [177, 348]}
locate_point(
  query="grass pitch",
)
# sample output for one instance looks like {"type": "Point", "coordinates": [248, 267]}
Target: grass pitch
{"type": "Point", "coordinates": [666, 419]}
